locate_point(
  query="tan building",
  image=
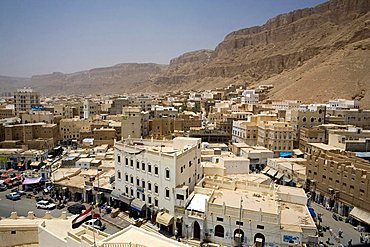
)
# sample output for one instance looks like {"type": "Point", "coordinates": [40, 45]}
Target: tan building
{"type": "Point", "coordinates": [356, 117]}
{"type": "Point", "coordinates": [309, 116]}
{"type": "Point", "coordinates": [276, 136]}
{"type": "Point", "coordinates": [352, 139]}
{"type": "Point", "coordinates": [135, 123]}
{"type": "Point", "coordinates": [311, 135]}
{"type": "Point", "coordinates": [70, 128]}
{"type": "Point", "coordinates": [339, 180]}
{"type": "Point", "coordinates": [34, 136]}
{"type": "Point", "coordinates": [246, 131]}
{"type": "Point", "coordinates": [162, 127]}
{"type": "Point", "coordinates": [37, 117]}
{"type": "Point", "coordinates": [6, 113]}
{"type": "Point", "coordinates": [104, 136]}
{"type": "Point", "coordinates": [24, 99]}
{"type": "Point", "coordinates": [187, 120]}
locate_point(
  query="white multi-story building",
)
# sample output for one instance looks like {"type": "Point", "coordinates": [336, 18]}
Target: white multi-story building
{"type": "Point", "coordinates": [157, 176]}
{"type": "Point", "coordinates": [250, 97]}
{"type": "Point", "coordinates": [24, 99]}
{"type": "Point", "coordinates": [340, 104]}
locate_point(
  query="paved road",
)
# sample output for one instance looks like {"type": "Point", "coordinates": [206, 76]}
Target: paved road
{"type": "Point", "coordinates": [348, 230]}
{"type": "Point", "coordinates": [23, 206]}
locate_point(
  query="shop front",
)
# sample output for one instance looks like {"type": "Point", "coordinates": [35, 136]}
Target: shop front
{"type": "Point", "coordinates": [165, 222]}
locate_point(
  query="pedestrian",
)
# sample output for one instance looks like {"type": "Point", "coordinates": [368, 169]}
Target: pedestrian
{"type": "Point", "coordinates": [366, 239]}
{"type": "Point", "coordinates": [361, 238]}
{"type": "Point", "coordinates": [350, 243]}
{"type": "Point", "coordinates": [340, 232]}
{"type": "Point", "coordinates": [340, 245]}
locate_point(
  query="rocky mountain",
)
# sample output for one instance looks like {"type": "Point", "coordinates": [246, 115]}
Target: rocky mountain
{"type": "Point", "coordinates": [311, 54]}
{"type": "Point", "coordinates": [120, 78]}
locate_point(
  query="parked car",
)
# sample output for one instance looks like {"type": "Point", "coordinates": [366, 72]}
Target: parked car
{"type": "Point", "coordinates": [45, 205]}
{"type": "Point", "coordinates": [96, 223]}
{"type": "Point", "coordinates": [13, 196]}
{"type": "Point", "coordinates": [3, 187]}
{"type": "Point", "coordinates": [76, 208]}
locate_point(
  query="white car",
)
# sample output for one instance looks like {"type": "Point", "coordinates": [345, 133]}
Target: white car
{"type": "Point", "coordinates": [45, 205]}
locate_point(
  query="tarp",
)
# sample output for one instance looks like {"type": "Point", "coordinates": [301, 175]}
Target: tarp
{"type": "Point", "coordinates": [361, 215]}
{"type": "Point", "coordinates": [137, 205]}
{"type": "Point", "coordinates": [31, 180]}
{"type": "Point", "coordinates": [286, 154]}
{"type": "Point", "coordinates": [164, 218]}
{"type": "Point", "coordinates": [312, 212]}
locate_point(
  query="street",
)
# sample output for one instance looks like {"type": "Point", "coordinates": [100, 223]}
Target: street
{"type": "Point", "coordinates": [327, 220]}
{"type": "Point", "coordinates": [23, 206]}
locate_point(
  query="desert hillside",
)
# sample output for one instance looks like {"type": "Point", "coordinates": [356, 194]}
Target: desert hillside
{"type": "Point", "coordinates": [311, 54]}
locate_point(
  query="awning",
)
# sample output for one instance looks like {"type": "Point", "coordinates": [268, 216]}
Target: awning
{"type": "Point", "coordinates": [35, 163]}
{"type": "Point", "coordinates": [137, 205]}
{"type": "Point", "coordinates": [312, 212]}
{"type": "Point", "coordinates": [32, 180]}
{"type": "Point", "coordinates": [125, 199]}
{"type": "Point", "coordinates": [279, 175]}
{"type": "Point", "coordinates": [115, 194]}
{"type": "Point", "coordinates": [164, 219]}
{"type": "Point", "coordinates": [287, 180]}
{"type": "Point", "coordinates": [361, 215]}
{"type": "Point", "coordinates": [271, 172]}
{"type": "Point", "coordinates": [20, 164]}
{"type": "Point", "coordinates": [264, 171]}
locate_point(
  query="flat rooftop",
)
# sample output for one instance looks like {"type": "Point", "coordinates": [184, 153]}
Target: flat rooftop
{"type": "Point", "coordinates": [253, 201]}
{"type": "Point", "coordinates": [136, 235]}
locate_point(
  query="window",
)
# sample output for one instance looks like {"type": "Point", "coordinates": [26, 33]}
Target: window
{"type": "Point", "coordinates": [167, 193]}
{"type": "Point", "coordinates": [149, 200]}
{"type": "Point", "coordinates": [143, 166]}
{"type": "Point", "coordinates": [126, 162]}
{"type": "Point", "coordinates": [182, 169]}
{"type": "Point", "coordinates": [137, 194]}
{"type": "Point", "coordinates": [131, 179]}
{"type": "Point", "coordinates": [220, 219]}
{"type": "Point", "coordinates": [219, 231]}
{"type": "Point", "coordinates": [126, 177]}
{"type": "Point", "coordinates": [156, 202]}
{"type": "Point", "coordinates": [149, 186]}
{"type": "Point", "coordinates": [239, 223]}
{"type": "Point", "coordinates": [167, 173]}
{"type": "Point", "coordinates": [137, 165]}
{"type": "Point", "coordinates": [119, 175]}
{"type": "Point", "coordinates": [190, 164]}
{"type": "Point", "coordinates": [156, 188]}
{"type": "Point", "coordinates": [180, 197]}
{"type": "Point", "coordinates": [149, 168]}
{"type": "Point", "coordinates": [126, 190]}
{"type": "Point", "coordinates": [143, 183]}
{"type": "Point", "coordinates": [119, 159]}
{"type": "Point", "coordinates": [156, 170]}
{"type": "Point", "coordinates": [132, 163]}
{"type": "Point", "coordinates": [260, 227]}
{"type": "Point", "coordinates": [137, 181]}
{"type": "Point", "coordinates": [143, 197]}
{"type": "Point", "coordinates": [132, 192]}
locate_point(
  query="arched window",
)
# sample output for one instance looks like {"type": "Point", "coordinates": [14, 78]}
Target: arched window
{"type": "Point", "coordinates": [304, 119]}
{"type": "Point", "coordinates": [219, 231]}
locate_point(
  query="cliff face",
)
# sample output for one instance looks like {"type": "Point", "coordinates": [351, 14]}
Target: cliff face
{"type": "Point", "coordinates": [290, 51]}
{"type": "Point", "coordinates": [311, 54]}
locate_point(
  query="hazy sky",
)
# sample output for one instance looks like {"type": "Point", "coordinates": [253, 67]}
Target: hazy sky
{"type": "Point", "coordinates": [38, 37]}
